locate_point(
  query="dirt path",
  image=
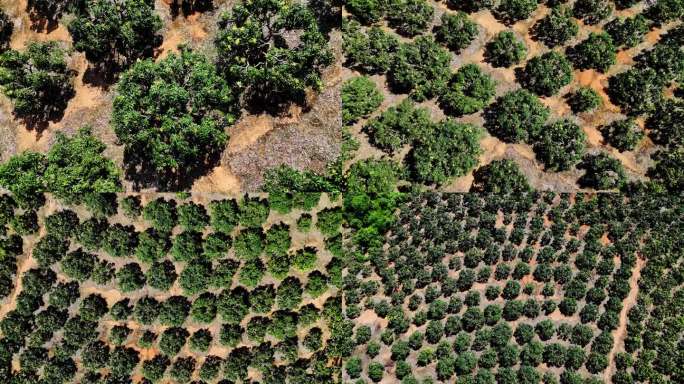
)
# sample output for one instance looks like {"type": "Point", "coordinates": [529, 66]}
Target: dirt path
{"type": "Point", "coordinates": [621, 332]}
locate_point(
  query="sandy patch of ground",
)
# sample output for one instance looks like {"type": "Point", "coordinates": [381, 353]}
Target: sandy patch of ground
{"type": "Point", "coordinates": [621, 332]}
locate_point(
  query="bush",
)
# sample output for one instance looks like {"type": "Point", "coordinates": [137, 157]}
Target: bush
{"type": "Point", "coordinates": [216, 245]}
{"type": "Point", "coordinates": [123, 360]}
{"type": "Point", "coordinates": [37, 80]}
{"type": "Point", "coordinates": [666, 59]}
{"type": "Point", "coordinates": [375, 371]}
{"type": "Point", "coordinates": [500, 176]}
{"type": "Point", "coordinates": [187, 246]}
{"type": "Point", "coordinates": [289, 293]}
{"type": "Point", "coordinates": [468, 91]}
{"type": "Point", "coordinates": [116, 34]}
{"type": "Point", "coordinates": [516, 116]}
{"type": "Point", "coordinates": [663, 11]}
{"type": "Point", "coordinates": [546, 74]}
{"type": "Point", "coordinates": [360, 97]}
{"type": "Point", "coordinates": [195, 277]}
{"type": "Point", "coordinates": [224, 215]}
{"type": "Point", "coordinates": [453, 150]}
{"type": "Point", "coordinates": [366, 11]}
{"type": "Point", "coordinates": [253, 212]}
{"type": "Point", "coordinates": [119, 240]}
{"type": "Point", "coordinates": [192, 216]}
{"type": "Point", "coordinates": [153, 369]}
{"type": "Point", "coordinates": [174, 311]}
{"type": "Point", "coordinates": [583, 99]}
{"type": "Point", "coordinates": [511, 11]}
{"type": "Point", "coordinates": [305, 259]}
{"type": "Point", "coordinates": [253, 54]}
{"type": "Point", "coordinates": [304, 223]}
{"type": "Point", "coordinates": [77, 168]}
{"type": "Point", "coordinates": [636, 91]}
{"type": "Point", "coordinates": [420, 67]}
{"type": "Point", "coordinates": [398, 126]}
{"type": "Point", "coordinates": [668, 167]}
{"type": "Point", "coordinates": [596, 52]}
{"type": "Point", "coordinates": [505, 50]}
{"type": "Point", "coordinates": [172, 340]}
{"type": "Point", "coordinates": [561, 145]}
{"type": "Point", "coordinates": [409, 17]}
{"type": "Point", "coordinates": [161, 213]}
{"type": "Point", "coordinates": [200, 340]}
{"type": "Point", "coordinates": [666, 124]}
{"type": "Point", "coordinates": [130, 277]}
{"type": "Point", "coordinates": [592, 11]}
{"type": "Point", "coordinates": [329, 221]}
{"type": "Point", "coordinates": [602, 172]}
{"type": "Point", "coordinates": [252, 272]}
{"type": "Point", "coordinates": [557, 28]}
{"type": "Point", "coordinates": [456, 31]}
{"type": "Point", "coordinates": [371, 52]}
{"type": "Point", "coordinates": [173, 137]}
{"type": "Point", "coordinates": [203, 309]}
{"type": "Point", "coordinates": [49, 250]}
{"type": "Point", "coordinates": [78, 265]}
{"type": "Point", "coordinates": [131, 206]}
{"type": "Point", "coordinates": [146, 310]}
{"type": "Point", "coordinates": [152, 246]}
{"type": "Point", "coordinates": [161, 275]}
{"type": "Point", "coordinates": [627, 32]}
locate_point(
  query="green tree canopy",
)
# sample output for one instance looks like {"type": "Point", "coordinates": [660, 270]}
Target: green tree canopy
{"type": "Point", "coordinates": [38, 81]}
{"type": "Point", "coordinates": [456, 31]}
{"type": "Point", "coordinates": [556, 28]}
{"type": "Point", "coordinates": [468, 91]}
{"type": "Point", "coordinates": [452, 149]}
{"type": "Point", "coordinates": [360, 97]}
{"type": "Point", "coordinates": [500, 176]}
{"type": "Point", "coordinates": [116, 33]}
{"type": "Point", "coordinates": [561, 145]}
{"type": "Point", "coordinates": [596, 52]}
{"type": "Point", "coordinates": [505, 50]}
{"type": "Point", "coordinates": [255, 53]}
{"type": "Point", "coordinates": [516, 116]}
{"type": "Point", "coordinates": [546, 74]}
{"type": "Point", "coordinates": [420, 67]}
{"type": "Point", "coordinates": [171, 117]}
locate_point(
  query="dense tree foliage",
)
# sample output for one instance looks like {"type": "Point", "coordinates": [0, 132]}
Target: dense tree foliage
{"type": "Point", "coordinates": [505, 50]}
{"type": "Point", "coordinates": [37, 80]}
{"type": "Point", "coordinates": [557, 28]}
{"type": "Point", "coordinates": [256, 53]}
{"type": "Point", "coordinates": [371, 51]}
{"type": "Point", "coordinates": [596, 52]}
{"type": "Point", "coordinates": [409, 17]}
{"type": "Point", "coordinates": [500, 176]}
{"type": "Point", "coordinates": [469, 90]}
{"type": "Point", "coordinates": [452, 149]}
{"type": "Point", "coordinates": [360, 97]}
{"type": "Point", "coordinates": [546, 74]}
{"type": "Point", "coordinates": [516, 116]}
{"type": "Point", "coordinates": [174, 127]}
{"type": "Point", "coordinates": [561, 145]}
{"type": "Point", "coordinates": [116, 33]}
{"type": "Point", "coordinates": [583, 99]}
{"type": "Point", "coordinates": [420, 67]}
{"type": "Point", "coordinates": [456, 31]}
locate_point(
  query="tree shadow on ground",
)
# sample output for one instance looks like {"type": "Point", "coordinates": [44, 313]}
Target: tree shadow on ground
{"type": "Point", "coordinates": [190, 7]}
{"type": "Point", "coordinates": [142, 173]}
